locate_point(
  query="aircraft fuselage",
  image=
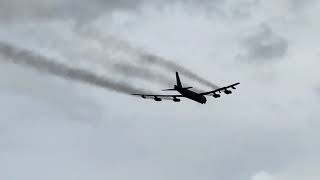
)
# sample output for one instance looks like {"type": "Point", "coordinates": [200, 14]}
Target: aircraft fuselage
{"type": "Point", "coordinates": [192, 95]}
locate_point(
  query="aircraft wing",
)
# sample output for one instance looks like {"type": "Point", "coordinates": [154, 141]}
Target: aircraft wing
{"type": "Point", "coordinates": [225, 89]}
{"type": "Point", "coordinates": [159, 97]}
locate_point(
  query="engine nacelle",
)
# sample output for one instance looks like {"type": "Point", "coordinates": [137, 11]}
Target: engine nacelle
{"type": "Point", "coordinates": [216, 95]}
{"type": "Point", "coordinates": [176, 100]}
{"type": "Point", "coordinates": [157, 99]}
{"type": "Point", "coordinates": [227, 91]}
{"type": "Point", "coordinates": [143, 96]}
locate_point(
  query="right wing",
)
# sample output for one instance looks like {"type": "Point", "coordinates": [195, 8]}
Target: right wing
{"type": "Point", "coordinates": [225, 89]}
{"type": "Point", "coordinates": [159, 97]}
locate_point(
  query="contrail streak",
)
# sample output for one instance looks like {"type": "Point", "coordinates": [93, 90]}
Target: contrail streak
{"type": "Point", "coordinates": [143, 73]}
{"type": "Point", "coordinates": [144, 56]}
{"type": "Point", "coordinates": [43, 64]}
{"type": "Point", "coordinates": [170, 65]}
{"type": "Point", "coordinates": [132, 69]}
{"type": "Point", "coordinates": [146, 74]}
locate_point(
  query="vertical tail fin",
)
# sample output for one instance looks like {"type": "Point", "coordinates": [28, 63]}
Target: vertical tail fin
{"type": "Point", "coordinates": [178, 80]}
{"type": "Point", "coordinates": [178, 86]}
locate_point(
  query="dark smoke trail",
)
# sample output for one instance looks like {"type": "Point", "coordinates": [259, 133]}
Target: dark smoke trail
{"type": "Point", "coordinates": [152, 59]}
{"type": "Point", "coordinates": [145, 56]}
{"type": "Point", "coordinates": [146, 74]}
{"type": "Point", "coordinates": [143, 73]}
{"type": "Point", "coordinates": [124, 68]}
{"type": "Point", "coordinates": [43, 64]}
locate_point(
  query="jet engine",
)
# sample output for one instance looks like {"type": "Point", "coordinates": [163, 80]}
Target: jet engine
{"type": "Point", "coordinates": [215, 95]}
{"type": "Point", "coordinates": [157, 99]}
{"type": "Point", "coordinates": [176, 100]}
{"type": "Point", "coordinates": [227, 91]}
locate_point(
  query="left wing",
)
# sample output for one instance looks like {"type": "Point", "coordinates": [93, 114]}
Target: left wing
{"type": "Point", "coordinates": [224, 89]}
{"type": "Point", "coordinates": [160, 97]}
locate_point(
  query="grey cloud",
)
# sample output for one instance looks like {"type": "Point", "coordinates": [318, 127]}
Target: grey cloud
{"type": "Point", "coordinates": [81, 10]}
{"type": "Point", "coordinates": [78, 10]}
{"type": "Point", "coordinates": [301, 5]}
{"type": "Point", "coordinates": [264, 45]}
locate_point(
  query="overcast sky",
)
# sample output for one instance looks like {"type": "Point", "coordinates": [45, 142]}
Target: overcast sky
{"type": "Point", "coordinates": [268, 129]}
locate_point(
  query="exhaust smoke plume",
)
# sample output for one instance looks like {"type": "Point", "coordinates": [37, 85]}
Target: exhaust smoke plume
{"type": "Point", "coordinates": [172, 66]}
{"type": "Point", "coordinates": [143, 73]}
{"type": "Point", "coordinates": [145, 57]}
{"type": "Point", "coordinates": [43, 64]}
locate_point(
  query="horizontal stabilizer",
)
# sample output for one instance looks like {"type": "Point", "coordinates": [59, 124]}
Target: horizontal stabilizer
{"type": "Point", "coordinates": [187, 87]}
{"type": "Point", "coordinates": [169, 90]}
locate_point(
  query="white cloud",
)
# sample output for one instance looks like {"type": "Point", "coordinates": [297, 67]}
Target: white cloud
{"type": "Point", "coordinates": [263, 176]}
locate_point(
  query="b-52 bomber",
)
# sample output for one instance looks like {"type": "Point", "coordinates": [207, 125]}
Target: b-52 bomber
{"type": "Point", "coordinates": [185, 92]}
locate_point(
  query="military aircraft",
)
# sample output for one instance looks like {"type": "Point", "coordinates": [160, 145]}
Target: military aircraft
{"type": "Point", "coordinates": [186, 93]}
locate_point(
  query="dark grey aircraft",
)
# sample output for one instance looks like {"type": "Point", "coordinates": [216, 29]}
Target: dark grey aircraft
{"type": "Point", "coordinates": [186, 93]}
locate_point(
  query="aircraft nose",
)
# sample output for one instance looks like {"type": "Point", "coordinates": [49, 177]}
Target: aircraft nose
{"type": "Point", "coordinates": [204, 100]}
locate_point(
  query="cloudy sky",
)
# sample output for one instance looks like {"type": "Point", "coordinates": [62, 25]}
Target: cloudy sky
{"type": "Point", "coordinates": [52, 128]}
